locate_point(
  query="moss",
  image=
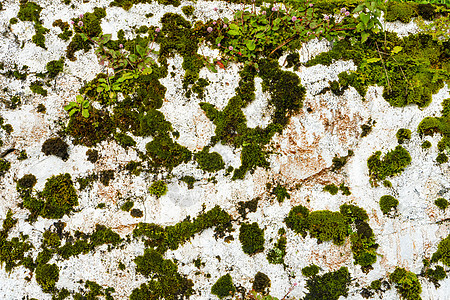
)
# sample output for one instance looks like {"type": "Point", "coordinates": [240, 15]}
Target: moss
{"type": "Point", "coordinates": [251, 238]}
{"type": "Point", "coordinates": [426, 145]}
{"type": "Point", "coordinates": [297, 220]}
{"type": "Point", "coordinates": [4, 166]}
{"type": "Point", "coordinates": [188, 10]}
{"type": "Point", "coordinates": [158, 188]}
{"type": "Point", "coordinates": [65, 28]}
{"type": "Point", "coordinates": [101, 205]}
{"type": "Point", "coordinates": [403, 135]}
{"type": "Point", "coordinates": [8, 128]}
{"type": "Point", "coordinates": [104, 235]}
{"type": "Point", "coordinates": [134, 167]}
{"type": "Point", "coordinates": [189, 180]}
{"type": "Point", "coordinates": [22, 155]}
{"type": "Point", "coordinates": [14, 102]}
{"type": "Point", "coordinates": [124, 140]}
{"type": "Point", "coordinates": [51, 240]}
{"type": "Point", "coordinates": [26, 182]}
{"type": "Point", "coordinates": [13, 21]}
{"type": "Point", "coordinates": [165, 283]}
{"type": "Point", "coordinates": [310, 271]}
{"type": "Point", "coordinates": [55, 146]}
{"type": "Point", "coordinates": [77, 43]}
{"type": "Point", "coordinates": [36, 87]}
{"type": "Point", "coordinates": [92, 156]}
{"type": "Point", "coordinates": [281, 193]}
{"type": "Point", "coordinates": [387, 203]}
{"type": "Point", "coordinates": [87, 181]}
{"type": "Point", "coordinates": [90, 131]}
{"type": "Point", "coordinates": [402, 12]}
{"type": "Point", "coordinates": [345, 190]}
{"type": "Point", "coordinates": [29, 11]}
{"type": "Point", "coordinates": [47, 276]}
{"type": "Point", "coordinates": [153, 123]}
{"type": "Point", "coordinates": [406, 283]}
{"type": "Point", "coordinates": [278, 252]}
{"type": "Point", "coordinates": [54, 67]}
{"type": "Point", "coordinates": [59, 195]}
{"type": "Point", "coordinates": [121, 266]}
{"type": "Point", "coordinates": [436, 274]}
{"type": "Point", "coordinates": [209, 162]}
{"type": "Point", "coordinates": [127, 206]}
{"type": "Point", "coordinates": [339, 162]}
{"type": "Point", "coordinates": [39, 38]}
{"type": "Point", "coordinates": [393, 163]}
{"type": "Point", "coordinates": [441, 158]}
{"type": "Point", "coordinates": [41, 108]}
{"type": "Point", "coordinates": [331, 188]}
{"type": "Point", "coordinates": [325, 226]}
{"type": "Point", "coordinates": [329, 286]}
{"type": "Point", "coordinates": [441, 203]}
{"type": "Point", "coordinates": [166, 153]}
{"type": "Point", "coordinates": [261, 283]}
{"type": "Point", "coordinates": [443, 252]}
{"type": "Point", "coordinates": [106, 176]}
{"type": "Point", "coordinates": [223, 287]}
{"type": "Point", "coordinates": [136, 213]}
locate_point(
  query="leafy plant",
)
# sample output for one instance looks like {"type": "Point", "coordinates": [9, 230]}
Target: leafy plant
{"type": "Point", "coordinates": [80, 105]}
{"type": "Point", "coordinates": [368, 22]}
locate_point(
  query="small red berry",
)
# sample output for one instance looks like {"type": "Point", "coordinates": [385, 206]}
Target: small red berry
{"type": "Point", "coordinates": [239, 53]}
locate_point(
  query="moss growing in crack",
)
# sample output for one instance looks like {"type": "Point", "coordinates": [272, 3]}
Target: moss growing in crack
{"type": "Point", "coordinates": [223, 287]}
{"type": "Point", "coordinates": [406, 283]}
{"type": "Point", "coordinates": [329, 286]}
{"type": "Point", "coordinates": [281, 193]}
{"type": "Point", "coordinates": [443, 252]}
{"type": "Point", "coordinates": [310, 271]}
{"type": "Point", "coordinates": [209, 162]}
{"type": "Point", "coordinates": [36, 87]}
{"type": "Point", "coordinates": [403, 135]}
{"type": "Point", "coordinates": [393, 163]}
{"type": "Point", "coordinates": [251, 238]}
{"type": "Point", "coordinates": [387, 203]}
{"type": "Point", "coordinates": [442, 203]}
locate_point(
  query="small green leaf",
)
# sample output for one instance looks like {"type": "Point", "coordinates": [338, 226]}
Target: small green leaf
{"type": "Point", "coordinates": [85, 113]}
{"type": "Point", "coordinates": [233, 32]}
{"type": "Point", "coordinates": [250, 45]}
{"type": "Point", "coordinates": [133, 58]}
{"type": "Point", "coordinates": [374, 59]}
{"type": "Point", "coordinates": [147, 71]}
{"type": "Point", "coordinates": [364, 36]}
{"type": "Point", "coordinates": [79, 98]}
{"type": "Point", "coordinates": [99, 89]}
{"type": "Point", "coordinates": [234, 27]}
{"type": "Point", "coordinates": [140, 50]}
{"type": "Point", "coordinates": [84, 36]}
{"type": "Point", "coordinates": [396, 49]}
{"type": "Point", "coordinates": [73, 111]}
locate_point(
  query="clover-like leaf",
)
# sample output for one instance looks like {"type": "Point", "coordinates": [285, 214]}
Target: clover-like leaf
{"type": "Point", "coordinates": [250, 45]}
{"type": "Point", "coordinates": [85, 113]}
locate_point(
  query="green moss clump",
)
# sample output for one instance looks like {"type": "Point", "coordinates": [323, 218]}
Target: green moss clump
{"type": "Point", "coordinates": [281, 193]}
{"type": "Point", "coordinates": [251, 238]}
{"type": "Point", "coordinates": [325, 226]}
{"type": "Point", "coordinates": [188, 10]}
{"type": "Point", "coordinates": [127, 206]}
{"type": "Point", "coordinates": [223, 287]}
{"type": "Point", "coordinates": [209, 162]}
{"type": "Point", "coordinates": [189, 180]}
{"type": "Point", "coordinates": [278, 252]}
{"type": "Point", "coordinates": [92, 155]}
{"type": "Point", "coordinates": [136, 213]}
{"type": "Point", "coordinates": [310, 271]}
{"type": "Point", "coordinates": [106, 176]}
{"type": "Point", "coordinates": [36, 87]}
{"type": "Point", "coordinates": [329, 286]}
{"type": "Point", "coordinates": [426, 145]}
{"type": "Point", "coordinates": [406, 283]}
{"type": "Point", "coordinates": [47, 276]}
{"type": "Point", "coordinates": [59, 195]}
{"type": "Point", "coordinates": [158, 188]}
{"type": "Point", "coordinates": [261, 283]}
{"type": "Point", "coordinates": [104, 235]}
{"type": "Point", "coordinates": [55, 146]}
{"type": "Point", "coordinates": [393, 163]}
{"type": "Point", "coordinates": [51, 240]}
{"type": "Point", "coordinates": [441, 203]}
{"type": "Point", "coordinates": [387, 203]}
{"type": "Point", "coordinates": [54, 67]}
{"type": "Point", "coordinates": [331, 188]}
{"type": "Point", "coordinates": [165, 152]}
{"type": "Point", "coordinates": [26, 182]}
{"type": "Point", "coordinates": [4, 166]}
{"type": "Point", "coordinates": [90, 131]}
{"type": "Point", "coordinates": [400, 11]}
{"type": "Point", "coordinates": [165, 283]}
{"type": "Point", "coordinates": [403, 135]}
{"type": "Point", "coordinates": [436, 274]}
{"type": "Point", "coordinates": [29, 11]}
{"type": "Point", "coordinates": [441, 158]}
{"type": "Point", "coordinates": [443, 252]}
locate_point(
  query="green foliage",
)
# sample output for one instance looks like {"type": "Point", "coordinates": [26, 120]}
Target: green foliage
{"type": "Point", "coordinates": [278, 252]}
{"type": "Point", "coordinates": [261, 283]}
{"type": "Point", "coordinates": [209, 162]}
{"type": "Point", "coordinates": [441, 158]}
{"type": "Point", "coordinates": [329, 286]}
{"type": "Point", "coordinates": [56, 146]}
{"type": "Point", "coordinates": [406, 283]}
{"type": "Point", "coordinates": [81, 105]}
{"type": "Point", "coordinates": [158, 188]}
{"type": "Point", "coordinates": [426, 145]}
{"type": "Point", "coordinates": [368, 19]}
{"type": "Point", "coordinates": [46, 276]}
{"type": "Point", "coordinates": [443, 252]}
{"type": "Point", "coordinates": [387, 203]}
{"type": "Point", "coordinates": [281, 193]}
{"type": "Point", "coordinates": [402, 135]}
{"type": "Point", "coordinates": [251, 238]}
{"type": "Point", "coordinates": [223, 287]}
{"type": "Point", "coordinates": [26, 182]}
{"type": "Point", "coordinates": [165, 152]}
{"type": "Point", "coordinates": [310, 271]}
{"type": "Point", "coordinates": [4, 166]}
{"type": "Point", "coordinates": [188, 10]}
{"type": "Point", "coordinates": [393, 163]}
{"type": "Point", "coordinates": [441, 203]}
